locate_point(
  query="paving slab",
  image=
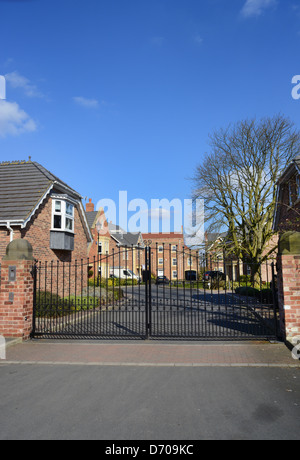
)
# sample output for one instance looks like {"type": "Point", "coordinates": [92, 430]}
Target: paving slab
{"type": "Point", "coordinates": [151, 353]}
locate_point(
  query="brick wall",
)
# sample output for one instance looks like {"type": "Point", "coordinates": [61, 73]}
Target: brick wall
{"type": "Point", "coordinates": [16, 313]}
{"type": "Point", "coordinates": [288, 266]}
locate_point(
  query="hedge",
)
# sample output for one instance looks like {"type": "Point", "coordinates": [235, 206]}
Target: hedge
{"type": "Point", "coordinates": [265, 295]}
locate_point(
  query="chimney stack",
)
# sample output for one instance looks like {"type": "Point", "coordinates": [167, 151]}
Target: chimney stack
{"type": "Point", "coordinates": [89, 207]}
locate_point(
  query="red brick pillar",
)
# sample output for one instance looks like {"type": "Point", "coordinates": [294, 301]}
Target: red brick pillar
{"type": "Point", "coordinates": [288, 266]}
{"type": "Point", "coordinates": [16, 291]}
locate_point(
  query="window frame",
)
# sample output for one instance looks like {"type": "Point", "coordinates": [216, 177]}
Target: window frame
{"type": "Point", "coordinates": [190, 261]}
{"type": "Point", "coordinates": [64, 214]}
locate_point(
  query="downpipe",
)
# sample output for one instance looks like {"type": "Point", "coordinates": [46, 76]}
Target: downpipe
{"type": "Point", "coordinates": [10, 230]}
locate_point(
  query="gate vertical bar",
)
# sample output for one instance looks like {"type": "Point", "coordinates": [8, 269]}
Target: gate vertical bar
{"type": "Point", "coordinates": [149, 301]}
{"type": "Point", "coordinates": [275, 300]}
{"type": "Point", "coordinates": [146, 294]}
{"type": "Point", "coordinates": [34, 275]}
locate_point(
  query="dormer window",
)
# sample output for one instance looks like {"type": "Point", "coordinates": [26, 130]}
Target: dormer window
{"type": "Point", "coordinates": [62, 215]}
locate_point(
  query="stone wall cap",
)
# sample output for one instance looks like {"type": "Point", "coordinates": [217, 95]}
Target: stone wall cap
{"type": "Point", "coordinates": [19, 250]}
{"type": "Point", "coordinates": [289, 243]}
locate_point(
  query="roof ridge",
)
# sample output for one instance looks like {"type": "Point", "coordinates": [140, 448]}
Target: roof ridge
{"type": "Point", "coordinates": [14, 162]}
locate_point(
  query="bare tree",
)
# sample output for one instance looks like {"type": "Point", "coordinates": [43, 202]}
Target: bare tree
{"type": "Point", "coordinates": [237, 181]}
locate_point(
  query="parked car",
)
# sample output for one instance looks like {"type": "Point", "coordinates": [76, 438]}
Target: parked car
{"type": "Point", "coordinates": [213, 276]}
{"type": "Point", "coordinates": [121, 273]}
{"type": "Point", "coordinates": [162, 280]}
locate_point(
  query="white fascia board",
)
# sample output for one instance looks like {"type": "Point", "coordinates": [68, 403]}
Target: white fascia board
{"type": "Point", "coordinates": [37, 206]}
{"type": "Point", "coordinates": [83, 215]}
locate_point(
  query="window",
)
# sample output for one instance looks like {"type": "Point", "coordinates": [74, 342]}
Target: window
{"type": "Point", "coordinates": [190, 262]}
{"type": "Point", "coordinates": [174, 261]}
{"type": "Point", "coordinates": [160, 261]}
{"type": "Point", "coordinates": [160, 249]}
{"type": "Point", "coordinates": [62, 215]}
{"type": "Point", "coordinates": [175, 274]}
{"type": "Point", "coordinates": [174, 248]}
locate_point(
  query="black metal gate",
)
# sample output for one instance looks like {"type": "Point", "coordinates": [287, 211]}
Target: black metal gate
{"type": "Point", "coordinates": [155, 292]}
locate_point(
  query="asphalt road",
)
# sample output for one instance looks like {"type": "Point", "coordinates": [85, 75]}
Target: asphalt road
{"type": "Point", "coordinates": [72, 402]}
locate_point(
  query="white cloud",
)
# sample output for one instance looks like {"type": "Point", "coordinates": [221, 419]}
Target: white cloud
{"type": "Point", "coordinates": [84, 102]}
{"type": "Point", "coordinates": [254, 8]}
{"type": "Point", "coordinates": [18, 81]}
{"type": "Point", "coordinates": [14, 120]}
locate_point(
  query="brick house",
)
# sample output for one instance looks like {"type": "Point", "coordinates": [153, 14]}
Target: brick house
{"type": "Point", "coordinates": [171, 257]}
{"type": "Point", "coordinates": [130, 247]}
{"type": "Point", "coordinates": [219, 257]}
{"type": "Point", "coordinates": [112, 246]}
{"type": "Point", "coordinates": [37, 206]}
{"type": "Point", "coordinates": [117, 248]}
{"type": "Point", "coordinates": [287, 213]}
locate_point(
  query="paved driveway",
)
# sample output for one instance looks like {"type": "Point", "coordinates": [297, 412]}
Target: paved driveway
{"type": "Point", "coordinates": [172, 312]}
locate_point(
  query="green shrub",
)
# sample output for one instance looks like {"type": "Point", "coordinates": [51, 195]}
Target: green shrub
{"type": "Point", "coordinates": [46, 297]}
{"type": "Point", "coordinates": [245, 279]}
{"type": "Point", "coordinates": [128, 282]}
{"type": "Point", "coordinates": [110, 282]}
{"type": "Point", "coordinates": [264, 296]}
{"type": "Point", "coordinates": [247, 291]}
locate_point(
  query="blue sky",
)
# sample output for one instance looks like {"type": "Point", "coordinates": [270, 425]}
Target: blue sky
{"type": "Point", "coordinates": [116, 95]}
